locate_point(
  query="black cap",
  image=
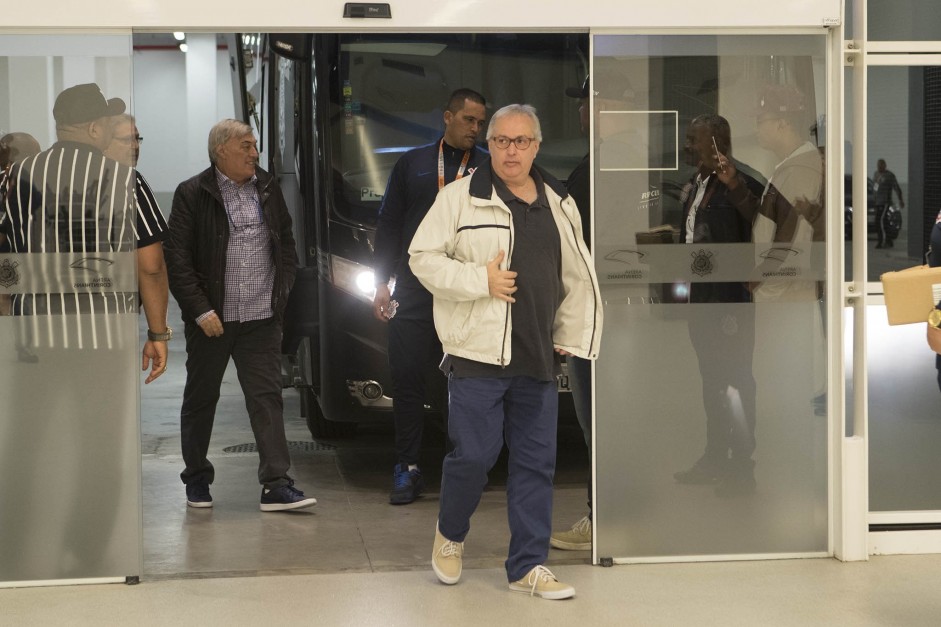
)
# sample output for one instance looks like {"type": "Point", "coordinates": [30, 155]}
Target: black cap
{"type": "Point", "coordinates": [85, 103]}
{"type": "Point", "coordinates": [780, 100]}
{"type": "Point", "coordinates": [579, 92]}
{"type": "Point", "coordinates": [611, 85]}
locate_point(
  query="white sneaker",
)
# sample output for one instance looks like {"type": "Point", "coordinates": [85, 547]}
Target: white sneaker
{"type": "Point", "coordinates": [578, 538]}
{"type": "Point", "coordinates": [541, 582]}
{"type": "Point", "coordinates": [447, 559]}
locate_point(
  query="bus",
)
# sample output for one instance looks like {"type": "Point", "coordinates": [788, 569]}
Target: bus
{"type": "Point", "coordinates": [333, 113]}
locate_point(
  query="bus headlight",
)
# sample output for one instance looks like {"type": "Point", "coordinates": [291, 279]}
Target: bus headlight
{"type": "Point", "coordinates": [366, 282]}
{"type": "Point", "coordinates": [354, 278]}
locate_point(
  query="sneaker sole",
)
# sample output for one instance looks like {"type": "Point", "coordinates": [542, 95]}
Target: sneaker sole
{"type": "Point", "coordinates": [569, 546]}
{"type": "Point", "coordinates": [552, 596]}
{"type": "Point", "coordinates": [402, 500]}
{"type": "Point", "coordinates": [284, 507]}
{"type": "Point", "coordinates": [199, 504]}
{"type": "Point", "coordinates": [444, 578]}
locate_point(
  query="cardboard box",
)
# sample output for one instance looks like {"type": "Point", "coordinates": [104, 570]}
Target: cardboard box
{"type": "Point", "coordinates": [911, 294]}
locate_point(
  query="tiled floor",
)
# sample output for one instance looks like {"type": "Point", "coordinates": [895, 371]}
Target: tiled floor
{"type": "Point", "coordinates": [355, 560]}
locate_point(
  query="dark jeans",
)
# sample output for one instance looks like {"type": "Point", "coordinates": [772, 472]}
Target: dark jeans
{"type": "Point", "coordinates": [580, 382]}
{"type": "Point", "coordinates": [484, 411]}
{"type": "Point", "coordinates": [256, 349]}
{"type": "Point", "coordinates": [724, 339]}
{"type": "Point", "coordinates": [414, 356]}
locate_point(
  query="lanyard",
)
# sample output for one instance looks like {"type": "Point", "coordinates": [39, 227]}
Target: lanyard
{"type": "Point", "coordinates": [460, 170]}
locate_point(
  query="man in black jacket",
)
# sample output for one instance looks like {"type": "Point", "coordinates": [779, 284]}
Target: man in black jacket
{"type": "Point", "coordinates": [722, 326]}
{"type": "Point", "coordinates": [232, 261]}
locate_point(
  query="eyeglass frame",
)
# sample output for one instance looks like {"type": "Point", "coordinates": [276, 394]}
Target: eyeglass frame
{"type": "Point", "coordinates": [512, 140]}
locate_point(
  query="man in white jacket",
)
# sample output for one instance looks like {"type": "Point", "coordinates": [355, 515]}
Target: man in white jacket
{"type": "Point", "coordinates": [503, 255]}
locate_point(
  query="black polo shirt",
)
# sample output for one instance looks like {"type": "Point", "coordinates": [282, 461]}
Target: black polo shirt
{"type": "Point", "coordinates": [537, 260]}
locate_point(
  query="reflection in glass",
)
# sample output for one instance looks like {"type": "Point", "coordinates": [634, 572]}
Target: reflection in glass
{"type": "Point", "coordinates": [722, 335]}
{"type": "Point", "coordinates": [68, 330]}
{"type": "Point", "coordinates": [710, 391]}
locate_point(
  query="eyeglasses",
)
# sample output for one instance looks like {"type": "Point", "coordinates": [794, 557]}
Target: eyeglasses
{"type": "Point", "coordinates": [503, 142]}
{"type": "Point", "coordinates": [133, 139]}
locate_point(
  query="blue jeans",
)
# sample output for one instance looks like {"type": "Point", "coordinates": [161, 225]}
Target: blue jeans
{"type": "Point", "coordinates": [482, 412]}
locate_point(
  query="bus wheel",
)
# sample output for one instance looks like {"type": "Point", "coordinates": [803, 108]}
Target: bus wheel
{"type": "Point", "coordinates": [321, 428]}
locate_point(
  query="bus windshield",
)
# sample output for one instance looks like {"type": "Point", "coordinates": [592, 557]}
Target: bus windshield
{"type": "Point", "coordinates": [388, 93]}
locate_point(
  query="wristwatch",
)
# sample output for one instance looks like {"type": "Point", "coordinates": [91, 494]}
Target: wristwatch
{"type": "Point", "coordinates": [934, 318]}
{"type": "Point", "coordinates": [160, 337]}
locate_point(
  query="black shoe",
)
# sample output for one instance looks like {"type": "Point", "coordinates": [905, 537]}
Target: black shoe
{"type": "Point", "coordinates": [284, 498]}
{"type": "Point", "coordinates": [197, 494]}
{"type": "Point", "coordinates": [890, 244]}
{"type": "Point", "coordinates": [703, 472]}
{"type": "Point", "coordinates": [406, 485]}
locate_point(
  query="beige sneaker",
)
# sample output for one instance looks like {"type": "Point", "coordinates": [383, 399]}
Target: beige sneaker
{"type": "Point", "coordinates": [541, 582]}
{"type": "Point", "coordinates": [446, 559]}
{"type": "Point", "coordinates": [578, 538]}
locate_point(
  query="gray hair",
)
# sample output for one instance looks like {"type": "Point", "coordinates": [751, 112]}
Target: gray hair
{"type": "Point", "coordinates": [222, 132]}
{"type": "Point", "coordinates": [516, 109]}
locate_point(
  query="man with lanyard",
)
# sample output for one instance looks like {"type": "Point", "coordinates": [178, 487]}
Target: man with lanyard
{"type": "Point", "coordinates": [414, 348]}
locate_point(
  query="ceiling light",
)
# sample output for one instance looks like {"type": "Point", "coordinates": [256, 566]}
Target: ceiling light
{"type": "Point", "coordinates": [179, 36]}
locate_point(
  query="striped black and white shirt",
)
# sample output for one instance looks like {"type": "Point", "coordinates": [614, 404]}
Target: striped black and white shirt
{"type": "Point", "coordinates": [72, 199]}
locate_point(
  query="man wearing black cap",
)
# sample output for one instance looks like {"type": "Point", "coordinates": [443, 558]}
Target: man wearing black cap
{"type": "Point", "coordinates": [789, 222]}
{"type": "Point", "coordinates": [791, 209]}
{"type": "Point", "coordinates": [44, 189]}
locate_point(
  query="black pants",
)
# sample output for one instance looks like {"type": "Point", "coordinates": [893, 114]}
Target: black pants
{"type": "Point", "coordinates": [414, 356]}
{"type": "Point", "coordinates": [724, 339]}
{"type": "Point", "coordinates": [256, 349]}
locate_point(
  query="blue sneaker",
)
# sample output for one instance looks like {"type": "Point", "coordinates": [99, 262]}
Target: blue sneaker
{"type": "Point", "coordinates": [197, 494]}
{"type": "Point", "coordinates": [284, 498]}
{"type": "Point", "coordinates": [406, 485]}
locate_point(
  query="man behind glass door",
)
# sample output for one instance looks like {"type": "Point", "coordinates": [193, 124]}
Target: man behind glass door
{"type": "Point", "coordinates": [788, 230]}
{"type": "Point", "coordinates": [84, 128]}
{"type": "Point", "coordinates": [414, 348]}
{"type": "Point", "coordinates": [721, 327]}
{"type": "Point", "coordinates": [73, 202]}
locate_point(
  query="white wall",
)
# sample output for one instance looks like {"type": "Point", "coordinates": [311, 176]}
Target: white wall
{"type": "Point", "coordinates": [888, 121]}
{"type": "Point", "coordinates": [174, 116]}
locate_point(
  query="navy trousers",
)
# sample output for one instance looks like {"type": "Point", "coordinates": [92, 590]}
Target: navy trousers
{"type": "Point", "coordinates": [484, 411]}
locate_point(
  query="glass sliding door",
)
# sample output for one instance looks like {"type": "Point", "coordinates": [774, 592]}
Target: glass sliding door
{"type": "Point", "coordinates": [710, 393]}
{"type": "Point", "coordinates": [69, 430]}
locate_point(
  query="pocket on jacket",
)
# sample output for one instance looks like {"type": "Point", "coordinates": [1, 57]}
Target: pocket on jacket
{"type": "Point", "coordinates": [463, 321]}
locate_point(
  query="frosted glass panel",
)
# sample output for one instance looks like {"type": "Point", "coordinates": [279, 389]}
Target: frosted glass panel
{"type": "Point", "coordinates": [710, 397]}
{"type": "Point", "coordinates": [69, 428]}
